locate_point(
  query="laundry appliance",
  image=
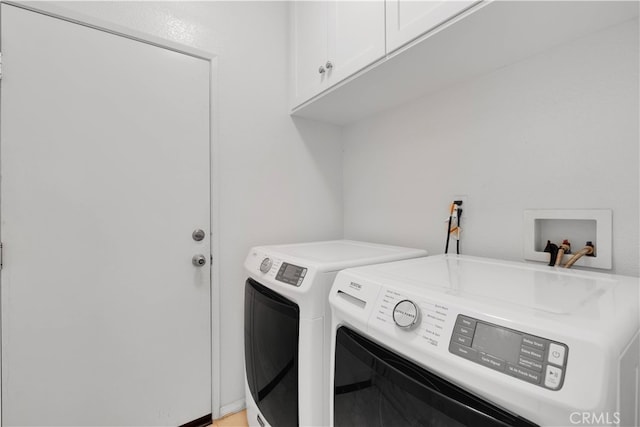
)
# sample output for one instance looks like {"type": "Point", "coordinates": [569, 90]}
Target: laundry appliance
{"type": "Point", "coordinates": [287, 326]}
{"type": "Point", "coordinates": [463, 341]}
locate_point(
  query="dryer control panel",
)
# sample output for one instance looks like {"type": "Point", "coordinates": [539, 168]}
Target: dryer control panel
{"type": "Point", "coordinates": [291, 274]}
{"type": "Point", "coordinates": [529, 358]}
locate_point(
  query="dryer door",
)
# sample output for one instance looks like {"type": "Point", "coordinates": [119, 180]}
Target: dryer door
{"type": "Point", "coordinates": [376, 387]}
{"type": "Point", "coordinates": [271, 325]}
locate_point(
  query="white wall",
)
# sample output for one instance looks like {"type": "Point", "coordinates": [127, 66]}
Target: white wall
{"type": "Point", "coordinates": [280, 180]}
{"type": "Point", "coordinates": [558, 130]}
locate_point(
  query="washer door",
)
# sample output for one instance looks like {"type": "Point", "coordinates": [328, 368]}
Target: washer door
{"type": "Point", "coordinates": [376, 387]}
{"type": "Point", "coordinates": [271, 326]}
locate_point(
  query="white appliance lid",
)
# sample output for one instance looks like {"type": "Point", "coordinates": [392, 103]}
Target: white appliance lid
{"type": "Point", "coordinates": [553, 290]}
{"type": "Point", "coordinates": [339, 254]}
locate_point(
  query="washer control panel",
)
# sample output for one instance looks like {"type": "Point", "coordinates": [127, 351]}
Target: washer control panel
{"type": "Point", "coordinates": [529, 358]}
{"type": "Point", "coordinates": [291, 274]}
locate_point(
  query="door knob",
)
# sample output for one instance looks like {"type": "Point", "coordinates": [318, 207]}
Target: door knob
{"type": "Point", "coordinates": [329, 65]}
{"type": "Point", "coordinates": [198, 235]}
{"type": "Point", "coordinates": [199, 260]}
{"type": "Point", "coordinates": [321, 70]}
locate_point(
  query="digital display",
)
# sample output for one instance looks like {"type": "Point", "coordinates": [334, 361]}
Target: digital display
{"type": "Point", "coordinates": [499, 342]}
{"type": "Point", "coordinates": [291, 272]}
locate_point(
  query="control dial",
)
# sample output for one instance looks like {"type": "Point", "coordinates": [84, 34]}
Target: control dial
{"type": "Point", "coordinates": [406, 314]}
{"type": "Point", "coordinates": [266, 264]}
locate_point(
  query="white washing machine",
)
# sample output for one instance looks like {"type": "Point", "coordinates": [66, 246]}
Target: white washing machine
{"type": "Point", "coordinates": [287, 326]}
{"type": "Point", "coordinates": [462, 341]}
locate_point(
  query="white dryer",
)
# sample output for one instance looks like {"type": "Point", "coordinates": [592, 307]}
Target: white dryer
{"type": "Point", "coordinates": [287, 326]}
{"type": "Point", "coordinates": [462, 341]}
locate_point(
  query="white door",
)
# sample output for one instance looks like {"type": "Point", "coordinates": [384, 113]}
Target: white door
{"type": "Point", "coordinates": [104, 158]}
{"type": "Point", "coordinates": [356, 36]}
{"type": "Point", "coordinates": [309, 49]}
{"type": "Point", "coordinates": [409, 19]}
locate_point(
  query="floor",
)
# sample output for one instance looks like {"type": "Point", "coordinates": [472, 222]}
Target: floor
{"type": "Point", "coordinates": [238, 419]}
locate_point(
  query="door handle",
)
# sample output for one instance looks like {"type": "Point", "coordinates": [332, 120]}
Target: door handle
{"type": "Point", "coordinates": [199, 260]}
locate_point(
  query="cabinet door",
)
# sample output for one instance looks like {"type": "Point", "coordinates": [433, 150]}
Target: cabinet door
{"type": "Point", "coordinates": [408, 19]}
{"type": "Point", "coordinates": [309, 48]}
{"type": "Point", "coordinates": [356, 36]}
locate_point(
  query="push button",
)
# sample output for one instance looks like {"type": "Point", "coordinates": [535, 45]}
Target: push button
{"type": "Point", "coordinates": [532, 353]}
{"type": "Point", "coordinates": [462, 351]}
{"type": "Point", "coordinates": [463, 330]}
{"type": "Point", "coordinates": [461, 339]}
{"type": "Point", "coordinates": [531, 364]}
{"type": "Point", "coordinates": [553, 377]}
{"type": "Point", "coordinates": [491, 361]}
{"type": "Point", "coordinates": [556, 354]}
{"type": "Point", "coordinates": [466, 322]}
{"type": "Point", "coordinates": [524, 374]}
{"type": "Point", "coordinates": [534, 342]}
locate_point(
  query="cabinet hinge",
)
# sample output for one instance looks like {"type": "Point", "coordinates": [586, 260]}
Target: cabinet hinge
{"type": "Point", "coordinates": [1, 255]}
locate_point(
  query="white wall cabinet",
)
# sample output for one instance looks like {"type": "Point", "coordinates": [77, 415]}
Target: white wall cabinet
{"type": "Point", "coordinates": [449, 42]}
{"type": "Point", "coordinates": [409, 19]}
{"type": "Point", "coordinates": [333, 40]}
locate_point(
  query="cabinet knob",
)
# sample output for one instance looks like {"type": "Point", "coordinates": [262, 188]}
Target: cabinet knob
{"type": "Point", "coordinates": [329, 65]}
{"type": "Point", "coordinates": [321, 70]}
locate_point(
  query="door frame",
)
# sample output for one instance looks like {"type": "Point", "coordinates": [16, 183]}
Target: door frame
{"type": "Point", "coordinates": [59, 12]}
